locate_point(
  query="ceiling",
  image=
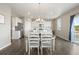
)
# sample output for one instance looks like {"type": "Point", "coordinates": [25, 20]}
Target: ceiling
{"type": "Point", "coordinates": [43, 10]}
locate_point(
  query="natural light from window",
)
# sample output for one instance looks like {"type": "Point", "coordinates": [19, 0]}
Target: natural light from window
{"type": "Point", "coordinates": [59, 24]}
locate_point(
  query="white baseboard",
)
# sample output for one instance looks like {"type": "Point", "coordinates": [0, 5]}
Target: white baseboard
{"type": "Point", "coordinates": [63, 38]}
{"type": "Point", "coordinates": [5, 46]}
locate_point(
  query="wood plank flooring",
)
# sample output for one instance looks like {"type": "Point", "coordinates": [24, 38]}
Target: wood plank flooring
{"type": "Point", "coordinates": [62, 47]}
{"type": "Point", "coordinates": [16, 48]}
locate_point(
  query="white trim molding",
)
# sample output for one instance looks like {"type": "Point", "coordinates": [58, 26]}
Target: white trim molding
{"type": "Point", "coordinates": [5, 46]}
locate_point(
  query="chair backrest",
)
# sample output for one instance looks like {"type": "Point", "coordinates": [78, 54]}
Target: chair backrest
{"type": "Point", "coordinates": [33, 39]}
{"type": "Point", "coordinates": [46, 40]}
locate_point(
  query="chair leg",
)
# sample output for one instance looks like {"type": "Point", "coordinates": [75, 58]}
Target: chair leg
{"type": "Point", "coordinates": [51, 51]}
{"type": "Point", "coordinates": [38, 51]}
{"type": "Point", "coordinates": [53, 46]}
{"type": "Point", "coordinates": [41, 51]}
{"type": "Point", "coordinates": [29, 51]}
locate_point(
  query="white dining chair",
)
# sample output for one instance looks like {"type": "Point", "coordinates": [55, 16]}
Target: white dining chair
{"type": "Point", "coordinates": [33, 41]}
{"type": "Point", "coordinates": [46, 41]}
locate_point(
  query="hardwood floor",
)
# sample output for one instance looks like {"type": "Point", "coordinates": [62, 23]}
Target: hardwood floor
{"type": "Point", "coordinates": [62, 48]}
{"type": "Point", "coordinates": [17, 48]}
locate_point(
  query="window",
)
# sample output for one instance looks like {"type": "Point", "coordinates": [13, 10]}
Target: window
{"type": "Point", "coordinates": [75, 29]}
{"type": "Point", "coordinates": [59, 24]}
{"type": "Point", "coordinates": [1, 19]}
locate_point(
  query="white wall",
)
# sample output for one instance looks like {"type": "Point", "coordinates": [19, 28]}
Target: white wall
{"type": "Point", "coordinates": [27, 26]}
{"type": "Point", "coordinates": [65, 24]}
{"type": "Point", "coordinates": [5, 29]}
{"type": "Point", "coordinates": [15, 34]}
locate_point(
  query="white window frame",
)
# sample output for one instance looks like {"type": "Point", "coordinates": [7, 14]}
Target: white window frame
{"type": "Point", "coordinates": [1, 19]}
{"type": "Point", "coordinates": [59, 24]}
